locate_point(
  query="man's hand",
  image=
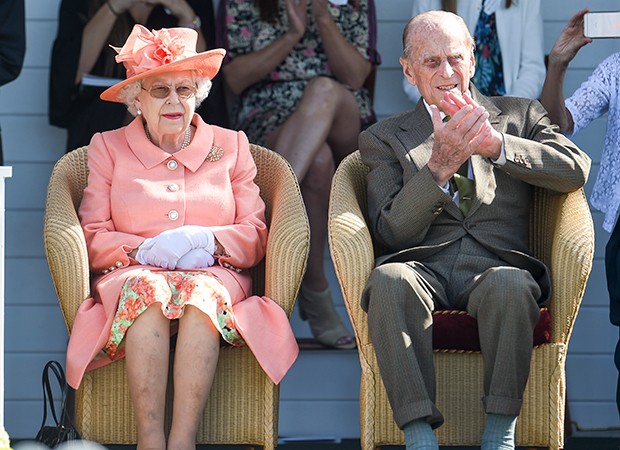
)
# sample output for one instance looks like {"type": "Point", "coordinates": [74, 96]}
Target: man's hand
{"type": "Point", "coordinates": [468, 132]}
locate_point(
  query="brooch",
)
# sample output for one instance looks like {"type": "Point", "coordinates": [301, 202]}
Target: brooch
{"type": "Point", "coordinates": [215, 154]}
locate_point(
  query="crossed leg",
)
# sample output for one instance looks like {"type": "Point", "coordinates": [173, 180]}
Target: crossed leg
{"type": "Point", "coordinates": [314, 139]}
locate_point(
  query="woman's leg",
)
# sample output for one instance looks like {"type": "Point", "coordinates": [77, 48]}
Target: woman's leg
{"type": "Point", "coordinates": [319, 133]}
{"type": "Point", "coordinates": [147, 348]}
{"type": "Point", "coordinates": [315, 191]}
{"type": "Point", "coordinates": [196, 354]}
{"type": "Point", "coordinates": [327, 113]}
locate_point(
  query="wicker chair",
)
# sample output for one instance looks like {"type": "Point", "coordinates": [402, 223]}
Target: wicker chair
{"type": "Point", "coordinates": [243, 404]}
{"type": "Point", "coordinates": [561, 235]}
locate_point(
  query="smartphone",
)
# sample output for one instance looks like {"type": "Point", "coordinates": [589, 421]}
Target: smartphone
{"type": "Point", "coordinates": [602, 24]}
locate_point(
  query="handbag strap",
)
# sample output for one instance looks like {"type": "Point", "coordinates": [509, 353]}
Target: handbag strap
{"type": "Point", "coordinates": [48, 397]}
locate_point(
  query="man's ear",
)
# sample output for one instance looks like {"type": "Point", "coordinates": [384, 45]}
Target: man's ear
{"type": "Point", "coordinates": [472, 70]}
{"type": "Point", "coordinates": [408, 70]}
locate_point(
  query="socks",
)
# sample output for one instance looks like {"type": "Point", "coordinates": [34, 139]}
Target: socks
{"type": "Point", "coordinates": [499, 432]}
{"type": "Point", "coordinates": [420, 436]}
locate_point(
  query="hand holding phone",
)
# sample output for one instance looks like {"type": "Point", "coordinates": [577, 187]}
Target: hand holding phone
{"type": "Point", "coordinates": [602, 24]}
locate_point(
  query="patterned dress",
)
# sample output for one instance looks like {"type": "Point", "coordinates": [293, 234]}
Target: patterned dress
{"type": "Point", "coordinates": [173, 291]}
{"type": "Point", "coordinates": [266, 105]}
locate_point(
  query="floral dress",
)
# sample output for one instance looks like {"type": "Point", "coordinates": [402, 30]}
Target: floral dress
{"type": "Point", "coordinates": [266, 105]}
{"type": "Point", "coordinates": [173, 291]}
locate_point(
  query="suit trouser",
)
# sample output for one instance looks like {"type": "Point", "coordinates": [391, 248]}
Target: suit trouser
{"type": "Point", "coordinates": [399, 299]}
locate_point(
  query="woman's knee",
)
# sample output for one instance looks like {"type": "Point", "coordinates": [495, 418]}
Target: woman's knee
{"type": "Point", "coordinates": [321, 94]}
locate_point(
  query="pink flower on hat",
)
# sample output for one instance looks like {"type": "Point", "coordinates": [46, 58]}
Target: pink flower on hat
{"type": "Point", "coordinates": [148, 53]}
{"type": "Point", "coordinates": [168, 48]}
{"type": "Point", "coordinates": [145, 50]}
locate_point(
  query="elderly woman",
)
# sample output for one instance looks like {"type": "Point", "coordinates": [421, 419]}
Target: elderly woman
{"type": "Point", "coordinates": [172, 218]}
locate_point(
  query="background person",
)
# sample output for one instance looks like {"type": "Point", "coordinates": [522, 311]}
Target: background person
{"type": "Point", "coordinates": [172, 220]}
{"type": "Point", "coordinates": [12, 45]}
{"type": "Point", "coordinates": [299, 68]}
{"type": "Point", "coordinates": [598, 95]}
{"type": "Point", "coordinates": [458, 239]}
{"type": "Point", "coordinates": [85, 27]}
{"type": "Point", "coordinates": [510, 57]}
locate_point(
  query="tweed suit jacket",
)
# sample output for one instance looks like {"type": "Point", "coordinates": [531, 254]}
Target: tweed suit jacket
{"type": "Point", "coordinates": [412, 218]}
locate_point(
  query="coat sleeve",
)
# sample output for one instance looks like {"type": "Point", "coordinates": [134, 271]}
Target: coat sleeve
{"type": "Point", "coordinates": [244, 240]}
{"type": "Point", "coordinates": [541, 156]}
{"type": "Point", "coordinates": [12, 39]}
{"type": "Point", "coordinates": [63, 91]}
{"type": "Point", "coordinates": [107, 248]}
{"type": "Point", "coordinates": [400, 209]}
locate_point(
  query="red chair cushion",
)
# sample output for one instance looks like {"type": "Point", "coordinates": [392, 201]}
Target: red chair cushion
{"type": "Point", "coordinates": [456, 330]}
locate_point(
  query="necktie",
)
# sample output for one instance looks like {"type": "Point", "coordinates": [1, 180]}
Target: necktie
{"type": "Point", "coordinates": [465, 186]}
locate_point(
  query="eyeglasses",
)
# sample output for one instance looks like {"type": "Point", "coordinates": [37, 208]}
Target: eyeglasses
{"type": "Point", "coordinates": [183, 91]}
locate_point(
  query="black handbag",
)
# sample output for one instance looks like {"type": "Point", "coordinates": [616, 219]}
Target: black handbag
{"type": "Point", "coordinates": [63, 429]}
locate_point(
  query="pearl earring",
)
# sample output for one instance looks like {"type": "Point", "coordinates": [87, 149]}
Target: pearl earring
{"type": "Point", "coordinates": [139, 112]}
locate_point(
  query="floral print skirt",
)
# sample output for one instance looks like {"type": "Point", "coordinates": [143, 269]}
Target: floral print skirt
{"type": "Point", "coordinates": [173, 290]}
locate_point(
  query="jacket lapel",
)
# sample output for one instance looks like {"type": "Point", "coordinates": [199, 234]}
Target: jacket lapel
{"type": "Point", "coordinates": [416, 135]}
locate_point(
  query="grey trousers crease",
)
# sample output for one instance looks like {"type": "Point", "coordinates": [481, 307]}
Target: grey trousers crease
{"type": "Point", "coordinates": [399, 299]}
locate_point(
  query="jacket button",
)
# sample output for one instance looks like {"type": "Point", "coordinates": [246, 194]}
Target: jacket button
{"type": "Point", "coordinates": [173, 214]}
{"type": "Point", "coordinates": [172, 164]}
{"type": "Point", "coordinates": [173, 187]}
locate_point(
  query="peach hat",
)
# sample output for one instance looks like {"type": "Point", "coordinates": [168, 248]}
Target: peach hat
{"type": "Point", "coordinates": [148, 53]}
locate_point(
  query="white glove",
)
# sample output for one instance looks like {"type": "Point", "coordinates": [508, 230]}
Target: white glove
{"type": "Point", "coordinates": [165, 249]}
{"type": "Point", "coordinates": [197, 258]}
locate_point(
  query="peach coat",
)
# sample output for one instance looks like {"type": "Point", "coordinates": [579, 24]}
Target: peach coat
{"type": "Point", "coordinates": [136, 190]}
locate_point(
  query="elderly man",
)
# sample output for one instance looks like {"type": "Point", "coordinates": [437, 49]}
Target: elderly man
{"type": "Point", "coordinates": [449, 193]}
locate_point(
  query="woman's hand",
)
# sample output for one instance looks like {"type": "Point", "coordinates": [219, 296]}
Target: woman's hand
{"type": "Point", "coordinates": [121, 6]}
{"type": "Point", "coordinates": [297, 13]}
{"type": "Point", "coordinates": [197, 258]}
{"type": "Point", "coordinates": [320, 11]}
{"type": "Point", "coordinates": [167, 248]}
{"type": "Point", "coordinates": [179, 9]}
{"type": "Point", "coordinates": [569, 42]}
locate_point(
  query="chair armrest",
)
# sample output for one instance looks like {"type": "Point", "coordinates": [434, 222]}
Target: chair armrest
{"type": "Point", "coordinates": [65, 246]}
{"type": "Point", "coordinates": [563, 237]}
{"type": "Point", "coordinates": [350, 241]}
{"type": "Point", "coordinates": [288, 243]}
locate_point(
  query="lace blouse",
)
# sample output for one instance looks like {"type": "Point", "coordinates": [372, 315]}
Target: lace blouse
{"type": "Point", "coordinates": [596, 96]}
